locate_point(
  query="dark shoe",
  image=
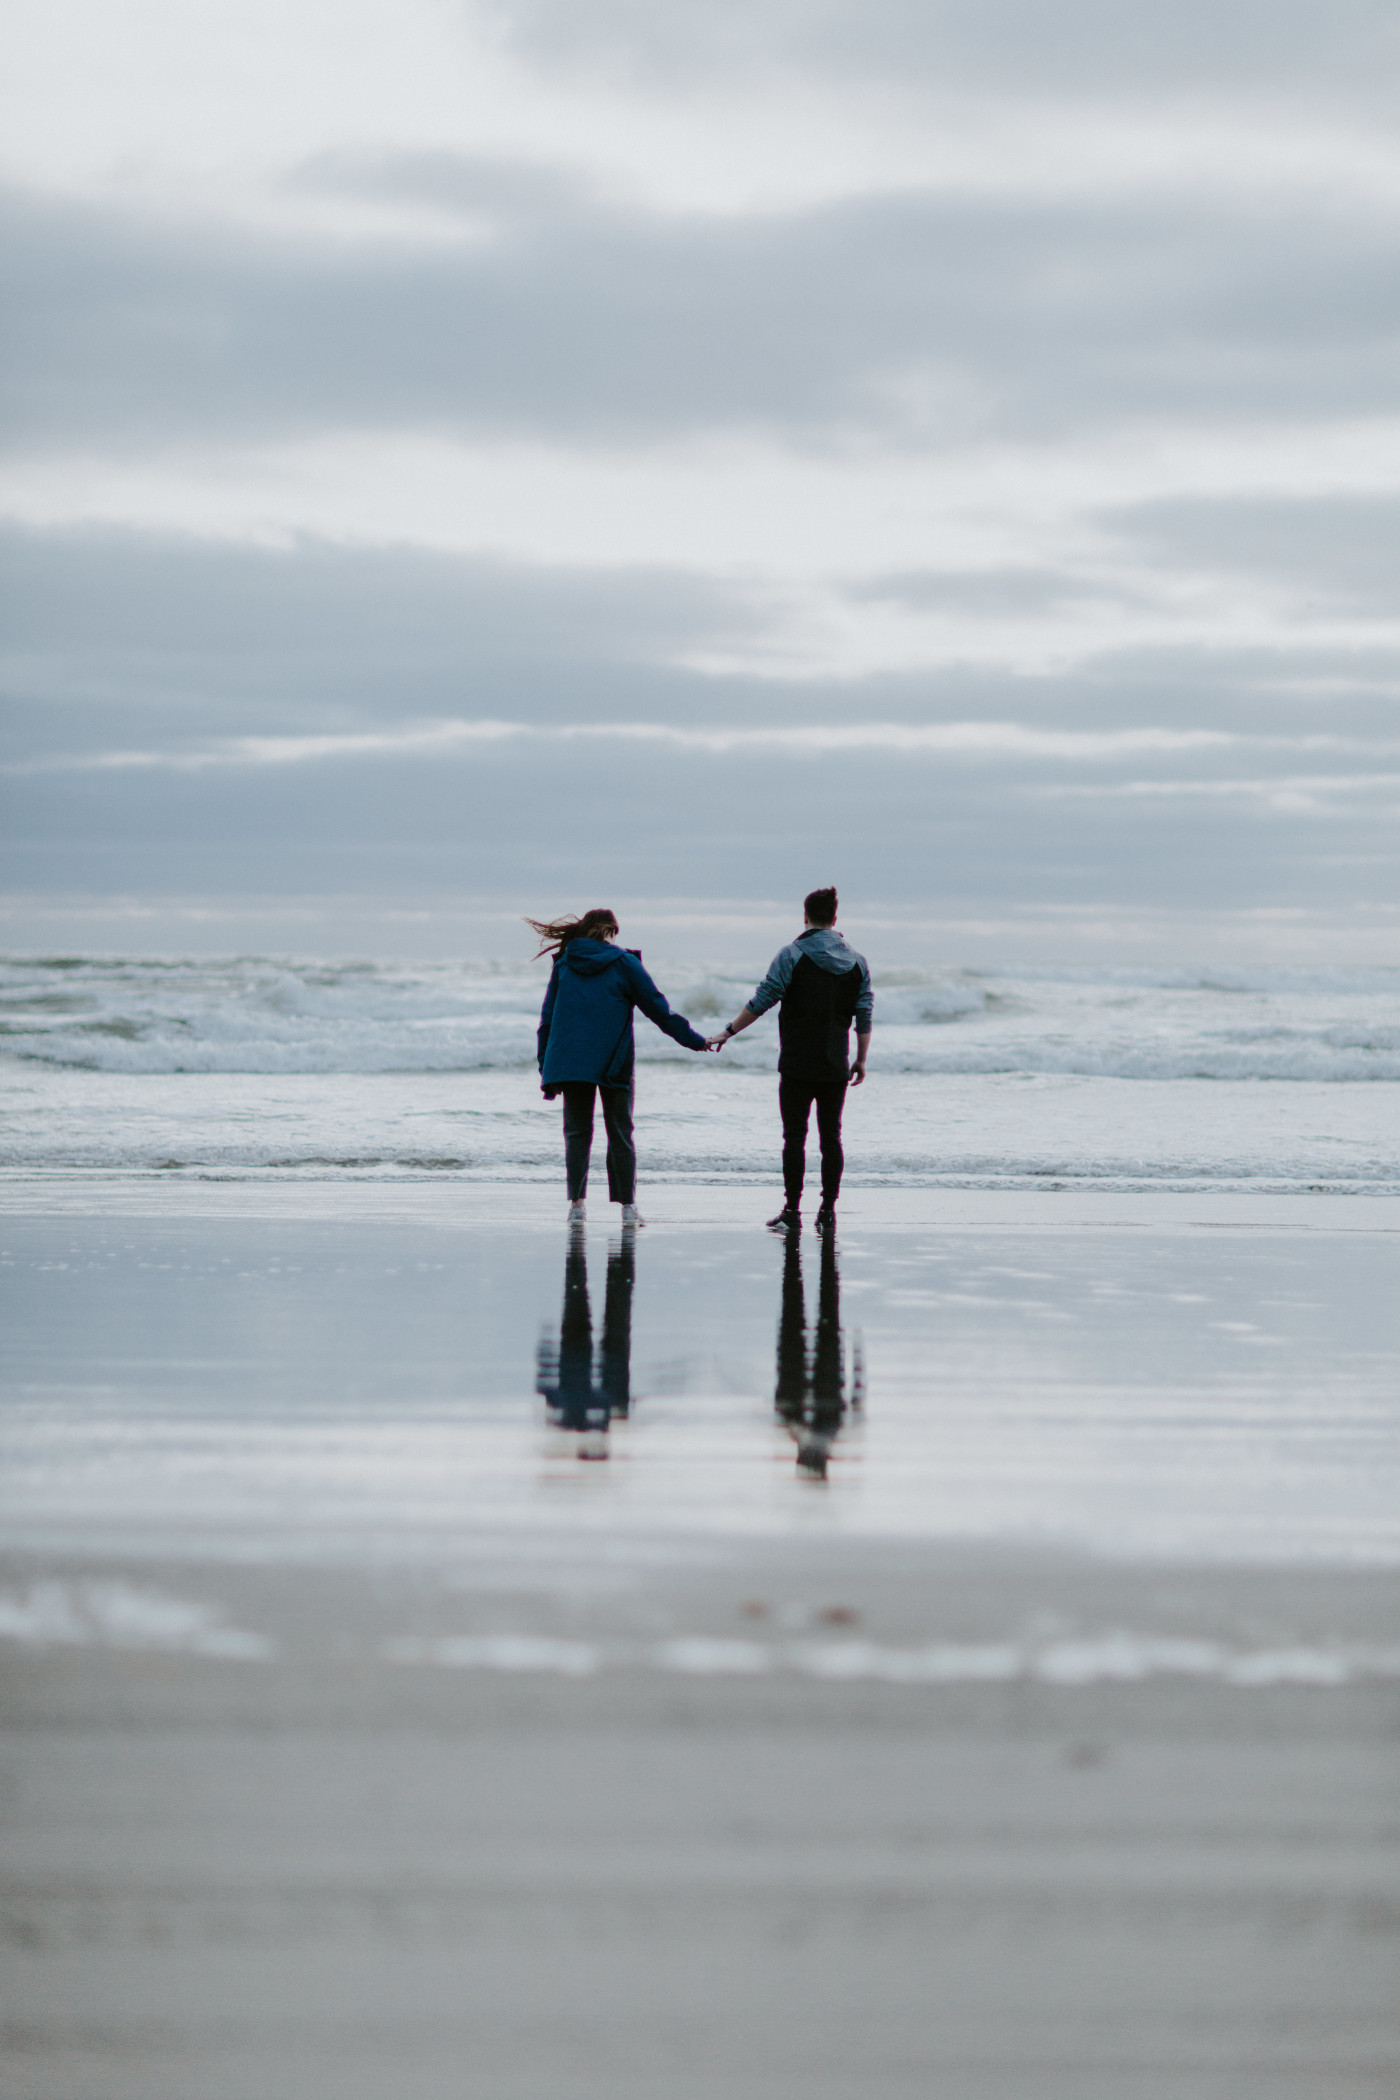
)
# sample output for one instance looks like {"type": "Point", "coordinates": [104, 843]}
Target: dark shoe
{"type": "Point", "coordinates": [787, 1220]}
{"type": "Point", "coordinates": [826, 1218]}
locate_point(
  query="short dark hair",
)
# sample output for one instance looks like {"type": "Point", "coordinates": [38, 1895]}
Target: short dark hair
{"type": "Point", "coordinates": [820, 907]}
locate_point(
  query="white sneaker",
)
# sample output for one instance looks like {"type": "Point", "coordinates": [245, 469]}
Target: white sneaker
{"type": "Point", "coordinates": [631, 1215]}
{"type": "Point", "coordinates": [577, 1213]}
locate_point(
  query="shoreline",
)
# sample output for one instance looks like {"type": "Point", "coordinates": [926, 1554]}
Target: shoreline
{"type": "Point", "coordinates": [541, 1201]}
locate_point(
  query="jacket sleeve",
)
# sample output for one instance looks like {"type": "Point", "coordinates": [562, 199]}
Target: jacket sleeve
{"type": "Point", "coordinates": [777, 981]}
{"type": "Point", "coordinates": [865, 1000]}
{"type": "Point", "coordinates": [546, 1016]}
{"type": "Point", "coordinates": [650, 1001]}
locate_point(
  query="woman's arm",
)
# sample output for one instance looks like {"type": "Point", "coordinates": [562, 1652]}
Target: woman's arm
{"type": "Point", "coordinates": [653, 1004]}
{"type": "Point", "coordinates": [546, 1016]}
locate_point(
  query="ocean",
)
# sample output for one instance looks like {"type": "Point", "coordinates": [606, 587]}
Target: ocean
{"type": "Point", "coordinates": [1121, 1079]}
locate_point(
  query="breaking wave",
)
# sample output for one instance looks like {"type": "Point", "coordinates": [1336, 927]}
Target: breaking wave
{"type": "Point", "coordinates": [259, 1015]}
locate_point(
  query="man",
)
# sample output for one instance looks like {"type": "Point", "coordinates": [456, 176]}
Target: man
{"type": "Point", "coordinates": [823, 986]}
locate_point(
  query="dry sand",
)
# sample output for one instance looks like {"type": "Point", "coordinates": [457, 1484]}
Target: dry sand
{"type": "Point", "coordinates": [329, 1874]}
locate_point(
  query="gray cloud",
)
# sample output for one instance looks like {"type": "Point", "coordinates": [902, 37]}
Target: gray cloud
{"type": "Point", "coordinates": [1011, 592]}
{"type": "Point", "coordinates": [170, 637]}
{"type": "Point", "coordinates": [1082, 47]}
{"type": "Point", "coordinates": [1338, 551]}
{"type": "Point", "coordinates": [136, 640]}
{"type": "Point", "coordinates": [912, 318]}
{"type": "Point", "coordinates": [524, 819]}
{"type": "Point", "coordinates": [138, 644]}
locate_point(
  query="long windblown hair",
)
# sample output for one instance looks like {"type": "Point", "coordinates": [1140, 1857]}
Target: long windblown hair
{"type": "Point", "coordinates": [556, 934]}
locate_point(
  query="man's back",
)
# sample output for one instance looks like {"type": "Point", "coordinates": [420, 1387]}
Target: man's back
{"type": "Point", "coordinates": [814, 1021]}
{"type": "Point", "coordinates": [823, 985]}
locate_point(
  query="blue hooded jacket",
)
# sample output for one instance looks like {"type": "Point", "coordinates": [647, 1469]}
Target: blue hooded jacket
{"type": "Point", "coordinates": [586, 1019]}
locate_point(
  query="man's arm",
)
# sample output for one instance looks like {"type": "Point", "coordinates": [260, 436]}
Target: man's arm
{"type": "Point", "coordinates": [768, 994]}
{"type": "Point", "coordinates": [736, 1027]}
{"type": "Point", "coordinates": [865, 1025]}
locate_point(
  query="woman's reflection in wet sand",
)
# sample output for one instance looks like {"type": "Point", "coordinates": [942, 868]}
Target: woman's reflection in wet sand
{"type": "Point", "coordinates": [577, 1397]}
{"type": "Point", "coordinates": [811, 1395]}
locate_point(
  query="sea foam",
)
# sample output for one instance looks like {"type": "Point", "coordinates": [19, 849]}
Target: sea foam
{"type": "Point", "coordinates": [257, 1015]}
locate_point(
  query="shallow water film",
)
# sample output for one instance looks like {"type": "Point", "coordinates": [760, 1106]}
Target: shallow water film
{"type": "Point", "coordinates": [242, 1365]}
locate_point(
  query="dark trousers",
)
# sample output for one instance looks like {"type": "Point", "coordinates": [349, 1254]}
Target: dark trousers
{"type": "Point", "coordinates": [795, 1098]}
{"type": "Point", "coordinates": [578, 1139]}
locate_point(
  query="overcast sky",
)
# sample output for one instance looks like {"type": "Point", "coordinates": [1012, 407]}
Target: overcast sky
{"type": "Point", "coordinates": [539, 451]}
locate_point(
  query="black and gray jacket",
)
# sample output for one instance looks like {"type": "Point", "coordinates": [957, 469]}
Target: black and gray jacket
{"type": "Point", "coordinates": [823, 986]}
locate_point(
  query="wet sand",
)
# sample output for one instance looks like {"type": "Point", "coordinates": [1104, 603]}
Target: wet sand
{"type": "Point", "coordinates": [361, 1737]}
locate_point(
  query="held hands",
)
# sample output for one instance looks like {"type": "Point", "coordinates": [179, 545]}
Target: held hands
{"type": "Point", "coordinates": [734, 1027]}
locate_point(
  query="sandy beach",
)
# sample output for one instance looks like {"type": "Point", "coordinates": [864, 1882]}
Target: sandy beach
{"type": "Point", "coordinates": [334, 1872]}
{"type": "Point", "coordinates": [443, 1659]}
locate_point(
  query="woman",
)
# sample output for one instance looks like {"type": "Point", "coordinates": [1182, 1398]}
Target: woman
{"type": "Point", "coordinates": [585, 1045]}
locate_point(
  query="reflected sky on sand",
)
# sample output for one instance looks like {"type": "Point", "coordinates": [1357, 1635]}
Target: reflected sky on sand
{"type": "Point", "coordinates": [255, 1375]}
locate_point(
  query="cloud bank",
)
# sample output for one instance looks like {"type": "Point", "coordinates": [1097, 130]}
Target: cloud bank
{"type": "Point", "coordinates": [536, 441]}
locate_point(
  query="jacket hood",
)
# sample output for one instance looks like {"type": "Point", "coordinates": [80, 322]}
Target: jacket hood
{"type": "Point", "coordinates": [826, 947]}
{"type": "Point", "coordinates": [591, 958]}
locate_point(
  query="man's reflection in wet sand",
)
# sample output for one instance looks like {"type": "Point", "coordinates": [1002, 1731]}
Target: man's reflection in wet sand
{"type": "Point", "coordinates": [576, 1397]}
{"type": "Point", "coordinates": [811, 1396]}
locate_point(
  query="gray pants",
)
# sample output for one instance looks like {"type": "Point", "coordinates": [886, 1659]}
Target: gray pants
{"type": "Point", "coordinates": [578, 1139]}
